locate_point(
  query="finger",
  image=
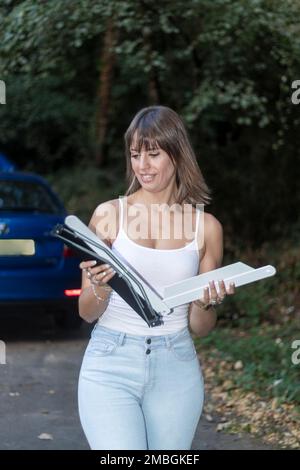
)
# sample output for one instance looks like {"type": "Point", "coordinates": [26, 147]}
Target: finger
{"type": "Point", "coordinates": [99, 269]}
{"type": "Point", "coordinates": [231, 288]}
{"type": "Point", "coordinates": [222, 289]}
{"type": "Point", "coordinates": [105, 275]}
{"type": "Point", "coordinates": [206, 295]}
{"type": "Point", "coordinates": [214, 293]}
{"type": "Point", "coordinates": [87, 264]}
{"type": "Point", "coordinates": [109, 276]}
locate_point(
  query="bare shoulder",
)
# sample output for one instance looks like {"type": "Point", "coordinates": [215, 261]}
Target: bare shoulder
{"type": "Point", "coordinates": [212, 226]}
{"type": "Point", "coordinates": [104, 219]}
{"type": "Point", "coordinates": [213, 241]}
{"type": "Point", "coordinates": [210, 233]}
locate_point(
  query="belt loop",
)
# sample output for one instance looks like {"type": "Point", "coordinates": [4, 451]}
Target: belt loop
{"type": "Point", "coordinates": [121, 338]}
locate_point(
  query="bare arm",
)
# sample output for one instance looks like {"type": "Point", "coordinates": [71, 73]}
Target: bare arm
{"type": "Point", "coordinates": [90, 309]}
{"type": "Point", "coordinates": [203, 321]}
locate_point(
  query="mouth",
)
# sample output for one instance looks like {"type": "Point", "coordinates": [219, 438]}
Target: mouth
{"type": "Point", "coordinates": [147, 178]}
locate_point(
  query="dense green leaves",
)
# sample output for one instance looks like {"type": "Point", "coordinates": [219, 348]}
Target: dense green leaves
{"type": "Point", "coordinates": [226, 66]}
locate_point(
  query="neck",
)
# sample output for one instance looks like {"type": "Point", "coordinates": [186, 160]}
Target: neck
{"type": "Point", "coordinates": [166, 196]}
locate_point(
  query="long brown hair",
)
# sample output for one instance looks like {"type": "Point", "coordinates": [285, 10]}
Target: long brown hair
{"type": "Point", "coordinates": [160, 125]}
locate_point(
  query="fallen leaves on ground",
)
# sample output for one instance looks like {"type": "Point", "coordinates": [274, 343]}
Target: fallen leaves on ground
{"type": "Point", "coordinates": [273, 422]}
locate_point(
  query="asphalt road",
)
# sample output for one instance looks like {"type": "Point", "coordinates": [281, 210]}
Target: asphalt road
{"type": "Point", "coordinates": [38, 389]}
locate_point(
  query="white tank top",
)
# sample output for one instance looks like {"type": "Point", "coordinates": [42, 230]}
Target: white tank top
{"type": "Point", "coordinates": [160, 268]}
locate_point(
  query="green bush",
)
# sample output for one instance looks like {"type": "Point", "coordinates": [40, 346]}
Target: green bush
{"type": "Point", "coordinates": [83, 188]}
{"type": "Point", "coordinates": [266, 354]}
{"type": "Point", "coordinates": [226, 66]}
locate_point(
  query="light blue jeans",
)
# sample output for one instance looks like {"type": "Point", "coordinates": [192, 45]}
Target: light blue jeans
{"type": "Point", "coordinates": [140, 392]}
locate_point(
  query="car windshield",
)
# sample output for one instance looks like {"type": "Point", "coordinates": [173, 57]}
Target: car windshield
{"type": "Point", "coordinates": [26, 196]}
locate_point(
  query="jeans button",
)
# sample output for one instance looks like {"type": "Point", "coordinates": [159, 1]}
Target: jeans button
{"type": "Point", "coordinates": [148, 341]}
{"type": "Point", "coordinates": [148, 351]}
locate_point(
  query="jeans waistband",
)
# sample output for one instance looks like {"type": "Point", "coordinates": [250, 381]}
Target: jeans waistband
{"type": "Point", "coordinates": [120, 337]}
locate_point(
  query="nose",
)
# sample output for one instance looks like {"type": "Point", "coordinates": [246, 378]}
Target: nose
{"type": "Point", "coordinates": [144, 161]}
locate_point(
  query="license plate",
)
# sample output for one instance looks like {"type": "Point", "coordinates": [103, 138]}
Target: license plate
{"type": "Point", "coordinates": [17, 248]}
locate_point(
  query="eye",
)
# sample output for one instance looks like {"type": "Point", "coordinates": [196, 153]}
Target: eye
{"type": "Point", "coordinates": [151, 155]}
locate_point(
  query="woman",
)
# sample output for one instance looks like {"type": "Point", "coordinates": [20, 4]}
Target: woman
{"type": "Point", "coordinates": [141, 387]}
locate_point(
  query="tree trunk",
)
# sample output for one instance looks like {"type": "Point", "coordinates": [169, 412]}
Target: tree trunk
{"type": "Point", "coordinates": [104, 89]}
{"type": "Point", "coordinates": [153, 92]}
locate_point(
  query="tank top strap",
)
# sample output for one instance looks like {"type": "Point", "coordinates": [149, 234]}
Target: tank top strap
{"type": "Point", "coordinates": [198, 212]}
{"type": "Point", "coordinates": [197, 219]}
{"type": "Point", "coordinates": [121, 213]}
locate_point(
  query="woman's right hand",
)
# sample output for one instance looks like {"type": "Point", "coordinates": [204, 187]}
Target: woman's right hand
{"type": "Point", "coordinates": [99, 274]}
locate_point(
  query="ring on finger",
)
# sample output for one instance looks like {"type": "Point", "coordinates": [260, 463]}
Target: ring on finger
{"type": "Point", "coordinates": [103, 274]}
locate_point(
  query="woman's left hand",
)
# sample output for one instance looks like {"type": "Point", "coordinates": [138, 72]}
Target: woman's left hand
{"type": "Point", "coordinates": [211, 296]}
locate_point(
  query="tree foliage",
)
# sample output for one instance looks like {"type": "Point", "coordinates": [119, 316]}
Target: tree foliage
{"type": "Point", "coordinates": [226, 66]}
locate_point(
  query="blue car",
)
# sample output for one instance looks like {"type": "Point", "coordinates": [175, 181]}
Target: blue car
{"type": "Point", "coordinates": [36, 268]}
{"type": "Point", "coordinates": [6, 164]}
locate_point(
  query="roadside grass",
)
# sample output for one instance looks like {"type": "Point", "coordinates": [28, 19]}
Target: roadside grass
{"type": "Point", "coordinates": [263, 358]}
{"type": "Point", "coordinates": [251, 360]}
{"type": "Point", "coordinates": [252, 384]}
{"type": "Point", "coordinates": [260, 324]}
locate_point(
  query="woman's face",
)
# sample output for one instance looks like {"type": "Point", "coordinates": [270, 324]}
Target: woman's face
{"type": "Point", "coordinates": [153, 169]}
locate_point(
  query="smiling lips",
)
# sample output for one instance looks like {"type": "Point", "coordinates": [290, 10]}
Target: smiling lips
{"type": "Point", "coordinates": [147, 178]}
